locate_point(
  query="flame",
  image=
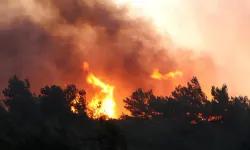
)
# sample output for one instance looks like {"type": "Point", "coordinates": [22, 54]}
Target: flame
{"type": "Point", "coordinates": [157, 75]}
{"type": "Point", "coordinates": [74, 102]}
{"type": "Point", "coordinates": [103, 103]}
{"type": "Point", "coordinates": [214, 118]}
{"type": "Point", "coordinates": [202, 118]}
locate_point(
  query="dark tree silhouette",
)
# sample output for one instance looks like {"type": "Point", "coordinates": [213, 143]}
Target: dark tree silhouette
{"type": "Point", "coordinates": [190, 98]}
{"type": "Point", "coordinates": [3, 111]}
{"type": "Point", "coordinates": [19, 99]}
{"type": "Point", "coordinates": [138, 103]}
{"type": "Point", "coordinates": [186, 119]}
{"type": "Point", "coordinates": [237, 111]}
{"type": "Point", "coordinates": [220, 101]}
{"type": "Point", "coordinates": [159, 107]}
{"type": "Point", "coordinates": [53, 102]}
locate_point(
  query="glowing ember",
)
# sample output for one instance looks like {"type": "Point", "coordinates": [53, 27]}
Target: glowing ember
{"type": "Point", "coordinates": [102, 103]}
{"type": "Point", "coordinates": [157, 75]}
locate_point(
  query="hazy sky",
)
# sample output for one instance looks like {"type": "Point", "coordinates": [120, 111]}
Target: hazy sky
{"type": "Point", "coordinates": [48, 40]}
{"type": "Point", "coordinates": [220, 27]}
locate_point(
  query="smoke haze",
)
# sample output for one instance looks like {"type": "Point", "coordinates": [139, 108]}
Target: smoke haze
{"type": "Point", "coordinates": [218, 27]}
{"type": "Point", "coordinates": [48, 40]}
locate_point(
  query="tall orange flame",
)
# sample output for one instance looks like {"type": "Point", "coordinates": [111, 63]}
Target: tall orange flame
{"type": "Point", "coordinates": [157, 75]}
{"type": "Point", "coordinates": [102, 103]}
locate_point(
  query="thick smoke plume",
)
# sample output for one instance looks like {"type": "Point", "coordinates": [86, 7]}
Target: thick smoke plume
{"type": "Point", "coordinates": [47, 41]}
{"type": "Point", "coordinates": [219, 27]}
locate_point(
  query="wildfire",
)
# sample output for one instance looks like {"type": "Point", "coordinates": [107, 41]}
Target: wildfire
{"type": "Point", "coordinates": [74, 102]}
{"type": "Point", "coordinates": [157, 75]}
{"type": "Point", "coordinates": [202, 118]}
{"type": "Point", "coordinates": [103, 103]}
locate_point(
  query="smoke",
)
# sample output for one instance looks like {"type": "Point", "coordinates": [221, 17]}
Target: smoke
{"type": "Point", "coordinates": [224, 27]}
{"type": "Point", "coordinates": [48, 40]}
{"type": "Point", "coordinates": [218, 27]}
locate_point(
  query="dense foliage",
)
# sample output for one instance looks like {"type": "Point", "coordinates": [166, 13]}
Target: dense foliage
{"type": "Point", "coordinates": [185, 120]}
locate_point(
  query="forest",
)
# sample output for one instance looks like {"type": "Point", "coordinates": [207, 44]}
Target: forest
{"type": "Point", "coordinates": [185, 120]}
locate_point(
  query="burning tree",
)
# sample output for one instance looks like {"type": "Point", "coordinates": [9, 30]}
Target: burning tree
{"type": "Point", "coordinates": [102, 103]}
{"type": "Point", "coordinates": [76, 99]}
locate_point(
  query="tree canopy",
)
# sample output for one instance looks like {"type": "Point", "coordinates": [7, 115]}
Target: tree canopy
{"type": "Point", "coordinates": [186, 119]}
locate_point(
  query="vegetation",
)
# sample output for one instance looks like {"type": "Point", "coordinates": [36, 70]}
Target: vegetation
{"type": "Point", "coordinates": [184, 120]}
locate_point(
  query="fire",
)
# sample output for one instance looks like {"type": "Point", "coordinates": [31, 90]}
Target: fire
{"type": "Point", "coordinates": [103, 103]}
{"type": "Point", "coordinates": [74, 102]}
{"type": "Point", "coordinates": [157, 75]}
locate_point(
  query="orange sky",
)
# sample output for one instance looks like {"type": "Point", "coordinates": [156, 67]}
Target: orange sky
{"type": "Point", "coordinates": [220, 27]}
